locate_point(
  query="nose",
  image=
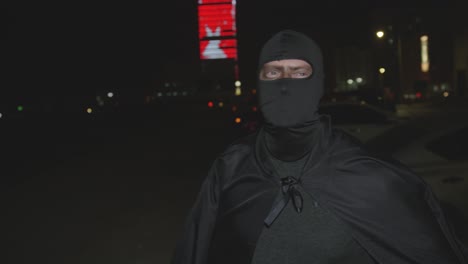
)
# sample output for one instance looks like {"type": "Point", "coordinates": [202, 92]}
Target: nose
{"type": "Point", "coordinates": [284, 90]}
{"type": "Point", "coordinates": [287, 74]}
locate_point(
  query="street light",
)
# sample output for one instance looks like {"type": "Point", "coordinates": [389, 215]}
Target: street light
{"type": "Point", "coordinates": [382, 70]}
{"type": "Point", "coordinates": [238, 91]}
{"type": "Point", "coordinates": [380, 34]}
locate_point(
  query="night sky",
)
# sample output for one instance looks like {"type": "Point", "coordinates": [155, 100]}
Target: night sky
{"type": "Point", "coordinates": [58, 49]}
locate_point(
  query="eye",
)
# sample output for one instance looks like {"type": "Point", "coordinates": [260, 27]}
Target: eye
{"type": "Point", "coordinates": [272, 74]}
{"type": "Point", "coordinates": [301, 75]}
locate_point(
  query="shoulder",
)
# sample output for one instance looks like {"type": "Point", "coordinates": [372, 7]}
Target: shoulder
{"type": "Point", "coordinates": [351, 160]}
{"type": "Point", "coordinates": [236, 156]}
{"type": "Point", "coordinates": [243, 145]}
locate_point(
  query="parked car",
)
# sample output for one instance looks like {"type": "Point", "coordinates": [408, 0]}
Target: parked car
{"type": "Point", "coordinates": [440, 152]}
{"type": "Point", "coordinates": [361, 120]}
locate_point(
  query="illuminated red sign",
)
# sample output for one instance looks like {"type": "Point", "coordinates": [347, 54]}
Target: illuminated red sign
{"type": "Point", "coordinates": [217, 29]}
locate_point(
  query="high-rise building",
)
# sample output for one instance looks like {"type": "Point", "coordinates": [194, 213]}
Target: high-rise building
{"type": "Point", "coordinates": [218, 42]}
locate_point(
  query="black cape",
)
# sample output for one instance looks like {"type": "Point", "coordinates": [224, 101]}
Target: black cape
{"type": "Point", "coordinates": [391, 212]}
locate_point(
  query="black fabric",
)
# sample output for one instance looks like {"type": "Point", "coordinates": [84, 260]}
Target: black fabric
{"type": "Point", "coordinates": [389, 211]}
{"type": "Point", "coordinates": [290, 144]}
{"type": "Point", "coordinates": [312, 236]}
{"type": "Point", "coordinates": [288, 173]}
{"type": "Point", "coordinates": [290, 106]}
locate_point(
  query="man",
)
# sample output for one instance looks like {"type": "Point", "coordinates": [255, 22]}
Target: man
{"type": "Point", "coordinates": [298, 191]}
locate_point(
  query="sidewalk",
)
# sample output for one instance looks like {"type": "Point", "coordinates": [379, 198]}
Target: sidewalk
{"type": "Point", "coordinates": [418, 109]}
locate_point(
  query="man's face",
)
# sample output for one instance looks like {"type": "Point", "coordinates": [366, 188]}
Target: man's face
{"type": "Point", "coordinates": [295, 69]}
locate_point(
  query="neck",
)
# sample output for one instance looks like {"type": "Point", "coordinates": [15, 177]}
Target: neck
{"type": "Point", "coordinates": [291, 144]}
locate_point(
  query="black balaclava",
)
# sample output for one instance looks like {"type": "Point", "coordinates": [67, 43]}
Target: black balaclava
{"type": "Point", "coordinates": [290, 106]}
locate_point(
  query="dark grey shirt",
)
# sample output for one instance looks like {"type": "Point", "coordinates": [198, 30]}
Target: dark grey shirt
{"type": "Point", "coordinates": [314, 236]}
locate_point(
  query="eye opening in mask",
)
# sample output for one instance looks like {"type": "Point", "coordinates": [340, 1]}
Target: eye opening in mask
{"type": "Point", "coordinates": [294, 69]}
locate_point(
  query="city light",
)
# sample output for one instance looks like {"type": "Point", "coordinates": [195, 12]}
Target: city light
{"type": "Point", "coordinates": [217, 29]}
{"type": "Point", "coordinates": [254, 91]}
{"type": "Point", "coordinates": [1, 115]}
{"type": "Point", "coordinates": [160, 94]}
{"type": "Point", "coordinates": [20, 108]}
{"type": "Point", "coordinates": [89, 110]}
{"type": "Point", "coordinates": [110, 94]}
{"type": "Point", "coordinates": [359, 80]}
{"type": "Point", "coordinates": [424, 53]}
{"type": "Point", "coordinates": [350, 81]}
{"type": "Point", "coordinates": [210, 104]}
{"type": "Point", "coordinates": [380, 34]}
{"type": "Point", "coordinates": [237, 83]}
{"type": "Point", "coordinates": [382, 70]}
{"type": "Point", "coordinates": [99, 100]}
{"type": "Point", "coordinates": [254, 108]}
{"type": "Point", "coordinates": [220, 104]}
{"type": "Point", "coordinates": [238, 120]}
{"type": "Point", "coordinates": [238, 91]}
{"type": "Point", "coordinates": [446, 94]}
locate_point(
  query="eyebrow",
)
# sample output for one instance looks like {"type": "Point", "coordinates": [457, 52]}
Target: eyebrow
{"type": "Point", "coordinates": [292, 68]}
{"type": "Point", "coordinates": [273, 67]}
{"type": "Point", "coordinates": [300, 67]}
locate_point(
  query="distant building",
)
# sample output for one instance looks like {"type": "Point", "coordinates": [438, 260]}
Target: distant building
{"type": "Point", "coordinates": [218, 42]}
{"type": "Point", "coordinates": [421, 51]}
{"type": "Point", "coordinates": [460, 54]}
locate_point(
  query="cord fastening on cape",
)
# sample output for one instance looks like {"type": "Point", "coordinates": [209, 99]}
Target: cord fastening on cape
{"type": "Point", "coordinates": [288, 191]}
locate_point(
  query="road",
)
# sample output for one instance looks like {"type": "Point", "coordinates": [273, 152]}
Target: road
{"type": "Point", "coordinates": [104, 190]}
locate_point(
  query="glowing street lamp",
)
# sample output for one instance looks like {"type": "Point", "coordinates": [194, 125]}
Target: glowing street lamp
{"type": "Point", "coordinates": [380, 34]}
{"type": "Point", "coordinates": [382, 70]}
{"type": "Point", "coordinates": [238, 90]}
